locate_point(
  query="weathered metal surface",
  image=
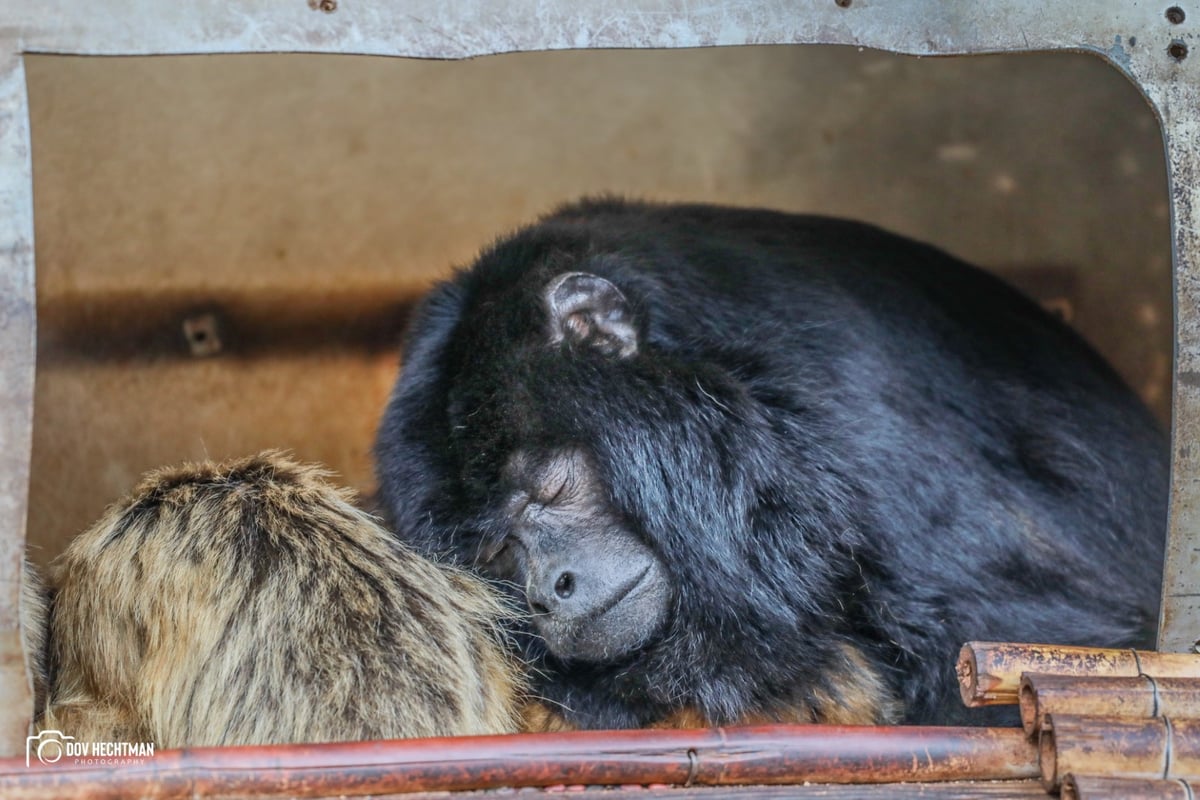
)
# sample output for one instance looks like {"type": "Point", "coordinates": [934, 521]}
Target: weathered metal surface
{"type": "Point", "coordinates": [1143, 749]}
{"type": "Point", "coordinates": [712, 757]}
{"type": "Point", "coordinates": [989, 673]}
{"type": "Point", "coordinates": [17, 348]}
{"type": "Point", "coordinates": [958, 790]}
{"type": "Point", "coordinates": [1177, 99]}
{"type": "Point", "coordinates": [461, 28]}
{"type": "Point", "coordinates": [1130, 698]}
{"type": "Point", "coordinates": [1092, 787]}
{"type": "Point", "coordinates": [1140, 39]}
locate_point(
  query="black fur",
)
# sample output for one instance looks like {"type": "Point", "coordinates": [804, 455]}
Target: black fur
{"type": "Point", "coordinates": [830, 434]}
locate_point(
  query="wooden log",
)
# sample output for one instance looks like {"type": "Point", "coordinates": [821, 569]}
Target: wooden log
{"type": "Point", "coordinates": [1137, 698]}
{"type": "Point", "coordinates": [1153, 749]}
{"type": "Point", "coordinates": [989, 673]}
{"type": "Point", "coordinates": [714, 757]}
{"type": "Point", "coordinates": [1094, 787]}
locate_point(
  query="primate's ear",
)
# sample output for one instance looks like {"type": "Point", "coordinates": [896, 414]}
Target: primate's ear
{"type": "Point", "coordinates": [590, 310]}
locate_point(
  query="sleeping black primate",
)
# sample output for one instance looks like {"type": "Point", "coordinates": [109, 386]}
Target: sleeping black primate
{"type": "Point", "coordinates": [745, 466]}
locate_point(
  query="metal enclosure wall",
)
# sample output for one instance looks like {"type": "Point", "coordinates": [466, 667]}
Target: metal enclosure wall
{"type": "Point", "coordinates": [1139, 41]}
{"type": "Point", "coordinates": [303, 202]}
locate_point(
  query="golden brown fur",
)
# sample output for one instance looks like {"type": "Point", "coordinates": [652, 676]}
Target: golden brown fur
{"type": "Point", "coordinates": [250, 602]}
{"type": "Point", "coordinates": [34, 612]}
{"type": "Point", "coordinates": [856, 694]}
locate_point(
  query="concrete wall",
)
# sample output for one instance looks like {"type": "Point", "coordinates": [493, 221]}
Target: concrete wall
{"type": "Point", "coordinates": [300, 203]}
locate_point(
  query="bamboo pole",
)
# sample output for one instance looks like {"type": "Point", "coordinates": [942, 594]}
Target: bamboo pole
{"type": "Point", "coordinates": [989, 673]}
{"type": "Point", "coordinates": [716, 757]}
{"type": "Point", "coordinates": [1138, 698]}
{"type": "Point", "coordinates": [1093, 787]}
{"type": "Point", "coordinates": [1156, 749]}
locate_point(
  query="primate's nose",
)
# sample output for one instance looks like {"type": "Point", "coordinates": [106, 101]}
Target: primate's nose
{"type": "Point", "coordinates": [593, 602]}
{"type": "Point", "coordinates": [550, 596]}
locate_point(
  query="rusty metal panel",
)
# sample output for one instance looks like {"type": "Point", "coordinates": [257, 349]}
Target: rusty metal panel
{"type": "Point", "coordinates": [1149, 42]}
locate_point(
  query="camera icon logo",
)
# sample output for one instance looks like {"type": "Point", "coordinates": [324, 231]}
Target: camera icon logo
{"type": "Point", "coordinates": [47, 747]}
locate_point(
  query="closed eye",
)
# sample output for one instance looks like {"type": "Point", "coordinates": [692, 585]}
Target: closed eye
{"type": "Point", "coordinates": [561, 476]}
{"type": "Point", "coordinates": [562, 487]}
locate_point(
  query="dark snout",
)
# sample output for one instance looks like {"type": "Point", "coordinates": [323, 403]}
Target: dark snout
{"type": "Point", "coordinates": [582, 590]}
{"type": "Point", "coordinates": [595, 603]}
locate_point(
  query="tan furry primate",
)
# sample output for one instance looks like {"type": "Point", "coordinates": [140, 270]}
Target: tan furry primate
{"type": "Point", "coordinates": [34, 612]}
{"type": "Point", "coordinates": [250, 603]}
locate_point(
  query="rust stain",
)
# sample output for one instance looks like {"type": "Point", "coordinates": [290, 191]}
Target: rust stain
{"type": "Point", "coordinates": [140, 325]}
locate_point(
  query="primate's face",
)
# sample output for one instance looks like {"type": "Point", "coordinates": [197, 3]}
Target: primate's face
{"type": "Point", "coordinates": [596, 591]}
